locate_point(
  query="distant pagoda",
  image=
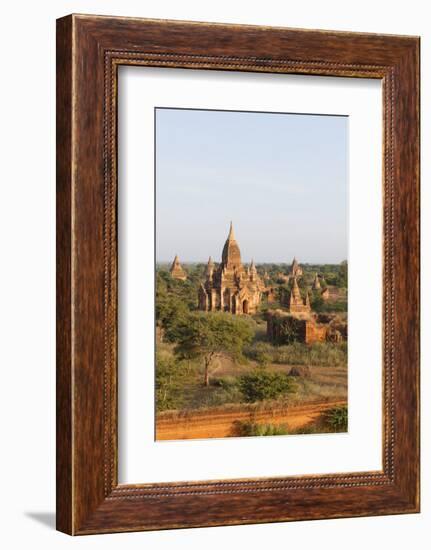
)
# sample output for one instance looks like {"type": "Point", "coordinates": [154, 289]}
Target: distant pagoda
{"type": "Point", "coordinates": [176, 271]}
{"type": "Point", "coordinates": [316, 282]}
{"type": "Point", "coordinates": [294, 301]}
{"type": "Point", "coordinates": [295, 270]}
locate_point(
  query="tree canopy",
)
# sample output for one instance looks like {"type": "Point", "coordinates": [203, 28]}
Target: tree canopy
{"type": "Point", "coordinates": [209, 335]}
{"type": "Point", "coordinates": [261, 385]}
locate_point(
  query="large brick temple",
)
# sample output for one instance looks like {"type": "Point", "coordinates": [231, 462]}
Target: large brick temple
{"type": "Point", "coordinates": [230, 286]}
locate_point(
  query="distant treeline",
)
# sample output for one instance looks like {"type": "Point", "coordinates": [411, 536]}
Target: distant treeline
{"type": "Point", "coordinates": [333, 274]}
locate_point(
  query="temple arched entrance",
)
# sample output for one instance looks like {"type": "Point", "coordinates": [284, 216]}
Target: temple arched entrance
{"type": "Point", "coordinates": [245, 307]}
{"type": "Point", "coordinates": [226, 300]}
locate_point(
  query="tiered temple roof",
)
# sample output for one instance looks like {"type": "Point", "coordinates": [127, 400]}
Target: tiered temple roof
{"type": "Point", "coordinates": [231, 255]}
{"type": "Point", "coordinates": [230, 286]}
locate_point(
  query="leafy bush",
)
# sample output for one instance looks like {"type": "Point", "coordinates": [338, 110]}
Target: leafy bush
{"type": "Point", "coordinates": [171, 377]}
{"type": "Point", "coordinates": [250, 429]}
{"type": "Point", "coordinates": [319, 305]}
{"type": "Point", "coordinates": [261, 385]}
{"type": "Point", "coordinates": [337, 418]}
{"type": "Point", "coordinates": [225, 382]}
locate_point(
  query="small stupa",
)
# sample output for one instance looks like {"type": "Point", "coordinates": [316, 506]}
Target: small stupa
{"type": "Point", "coordinates": [295, 270]}
{"type": "Point", "coordinates": [316, 282]}
{"type": "Point", "coordinates": [176, 271]}
{"type": "Point", "coordinates": [295, 303]}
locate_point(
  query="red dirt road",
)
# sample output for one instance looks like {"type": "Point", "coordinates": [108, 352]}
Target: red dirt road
{"type": "Point", "coordinates": [219, 423]}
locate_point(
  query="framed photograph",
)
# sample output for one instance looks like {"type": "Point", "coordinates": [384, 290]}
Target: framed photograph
{"type": "Point", "coordinates": [237, 274]}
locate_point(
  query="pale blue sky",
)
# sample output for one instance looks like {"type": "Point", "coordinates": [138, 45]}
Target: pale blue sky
{"type": "Point", "coordinates": [281, 179]}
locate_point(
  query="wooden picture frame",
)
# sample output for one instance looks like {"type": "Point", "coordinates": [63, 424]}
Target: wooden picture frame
{"type": "Point", "coordinates": [89, 51]}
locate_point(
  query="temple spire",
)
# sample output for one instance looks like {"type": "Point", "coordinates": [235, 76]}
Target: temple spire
{"type": "Point", "coordinates": [295, 302]}
{"type": "Point", "coordinates": [231, 236]}
{"type": "Point", "coordinates": [295, 292]}
{"type": "Point", "coordinates": [231, 255]}
{"type": "Point", "coordinates": [176, 262]}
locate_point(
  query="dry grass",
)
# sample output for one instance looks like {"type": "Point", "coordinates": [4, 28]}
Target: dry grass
{"type": "Point", "coordinates": [324, 384]}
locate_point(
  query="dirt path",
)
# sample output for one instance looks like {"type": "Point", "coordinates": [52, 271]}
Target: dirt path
{"type": "Point", "coordinates": [219, 423]}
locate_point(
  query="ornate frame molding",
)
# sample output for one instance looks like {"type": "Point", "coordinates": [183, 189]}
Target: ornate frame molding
{"type": "Point", "coordinates": [90, 50]}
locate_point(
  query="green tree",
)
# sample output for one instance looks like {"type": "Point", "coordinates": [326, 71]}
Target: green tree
{"type": "Point", "coordinates": [342, 275]}
{"type": "Point", "coordinates": [166, 383]}
{"type": "Point", "coordinates": [288, 330]}
{"type": "Point", "coordinates": [207, 336]}
{"type": "Point", "coordinates": [261, 385]}
{"type": "Point", "coordinates": [317, 302]}
{"type": "Point", "coordinates": [171, 308]}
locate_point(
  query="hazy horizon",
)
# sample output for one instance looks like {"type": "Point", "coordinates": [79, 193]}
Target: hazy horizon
{"type": "Point", "coordinates": [195, 262]}
{"type": "Point", "coordinates": [280, 178]}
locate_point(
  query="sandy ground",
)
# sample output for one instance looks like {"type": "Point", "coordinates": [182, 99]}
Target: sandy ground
{"type": "Point", "coordinates": [220, 423]}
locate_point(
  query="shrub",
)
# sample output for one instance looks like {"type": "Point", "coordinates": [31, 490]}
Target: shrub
{"type": "Point", "coordinates": [225, 382]}
{"type": "Point", "coordinates": [301, 371]}
{"type": "Point", "coordinates": [288, 329]}
{"type": "Point", "coordinates": [166, 384]}
{"type": "Point", "coordinates": [261, 385]}
{"type": "Point", "coordinates": [171, 377]}
{"type": "Point", "coordinates": [342, 275]}
{"type": "Point", "coordinates": [320, 306]}
{"type": "Point", "coordinates": [337, 418]}
{"type": "Point", "coordinates": [251, 429]}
